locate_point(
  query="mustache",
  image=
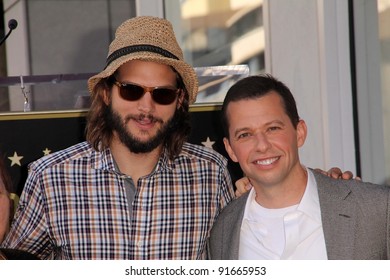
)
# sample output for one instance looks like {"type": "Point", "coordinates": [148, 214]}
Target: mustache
{"type": "Point", "coordinates": [141, 117]}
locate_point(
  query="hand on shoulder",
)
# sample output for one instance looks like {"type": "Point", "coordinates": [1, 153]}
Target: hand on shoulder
{"type": "Point", "coordinates": [336, 173]}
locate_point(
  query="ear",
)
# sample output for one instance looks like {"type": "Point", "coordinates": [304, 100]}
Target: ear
{"type": "Point", "coordinates": [301, 133]}
{"type": "Point", "coordinates": [229, 149]}
{"type": "Point", "coordinates": [106, 96]}
{"type": "Point", "coordinates": [180, 99]}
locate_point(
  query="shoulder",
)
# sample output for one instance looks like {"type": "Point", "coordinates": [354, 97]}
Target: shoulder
{"type": "Point", "coordinates": [75, 152]}
{"type": "Point", "coordinates": [201, 153]}
{"type": "Point", "coordinates": [230, 218]}
{"type": "Point", "coordinates": [235, 208]}
{"type": "Point", "coordinates": [351, 187]}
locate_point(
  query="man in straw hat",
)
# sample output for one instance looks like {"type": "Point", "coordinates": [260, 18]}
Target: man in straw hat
{"type": "Point", "coordinates": [135, 189]}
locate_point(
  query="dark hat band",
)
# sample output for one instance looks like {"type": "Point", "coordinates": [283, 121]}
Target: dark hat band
{"type": "Point", "coordinates": [139, 48]}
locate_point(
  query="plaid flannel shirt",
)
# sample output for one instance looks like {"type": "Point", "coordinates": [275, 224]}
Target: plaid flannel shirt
{"type": "Point", "coordinates": [74, 206]}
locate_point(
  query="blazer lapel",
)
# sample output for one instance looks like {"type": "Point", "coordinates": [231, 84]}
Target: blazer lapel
{"type": "Point", "coordinates": [338, 217]}
{"type": "Point", "coordinates": [232, 233]}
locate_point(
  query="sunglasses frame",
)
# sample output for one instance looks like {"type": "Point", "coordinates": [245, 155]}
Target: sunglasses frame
{"type": "Point", "coordinates": [152, 90]}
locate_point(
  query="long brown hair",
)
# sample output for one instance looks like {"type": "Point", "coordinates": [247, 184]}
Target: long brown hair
{"type": "Point", "coordinates": [7, 182]}
{"type": "Point", "coordinates": [99, 132]}
{"type": "Point", "coordinates": [4, 175]}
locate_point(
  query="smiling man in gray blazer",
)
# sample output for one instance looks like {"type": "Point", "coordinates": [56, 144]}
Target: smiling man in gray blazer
{"type": "Point", "coordinates": [291, 212]}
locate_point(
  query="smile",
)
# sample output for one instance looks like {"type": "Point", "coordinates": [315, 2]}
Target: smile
{"type": "Point", "coordinates": [145, 121]}
{"type": "Point", "coordinates": [267, 161]}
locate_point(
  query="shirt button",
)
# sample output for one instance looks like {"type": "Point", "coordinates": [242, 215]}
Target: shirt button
{"type": "Point", "coordinates": [140, 243]}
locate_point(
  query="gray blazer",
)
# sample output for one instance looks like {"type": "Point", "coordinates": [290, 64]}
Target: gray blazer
{"type": "Point", "coordinates": [355, 220]}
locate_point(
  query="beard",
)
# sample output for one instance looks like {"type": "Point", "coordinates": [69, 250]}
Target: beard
{"type": "Point", "coordinates": [133, 143]}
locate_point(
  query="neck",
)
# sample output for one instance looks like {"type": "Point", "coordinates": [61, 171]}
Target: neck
{"type": "Point", "coordinates": [132, 164]}
{"type": "Point", "coordinates": [284, 194]}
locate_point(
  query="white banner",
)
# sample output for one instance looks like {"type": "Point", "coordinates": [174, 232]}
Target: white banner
{"type": "Point", "coordinates": [121, 270]}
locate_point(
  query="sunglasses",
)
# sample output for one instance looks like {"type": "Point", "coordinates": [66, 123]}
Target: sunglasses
{"type": "Point", "coordinates": [160, 95]}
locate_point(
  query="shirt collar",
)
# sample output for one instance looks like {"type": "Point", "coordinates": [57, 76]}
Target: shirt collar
{"type": "Point", "coordinates": [105, 161]}
{"type": "Point", "coordinates": [102, 160]}
{"type": "Point", "coordinates": [310, 203]}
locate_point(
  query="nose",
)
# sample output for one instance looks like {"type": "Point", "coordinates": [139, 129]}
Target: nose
{"type": "Point", "coordinates": [262, 142]}
{"type": "Point", "coordinates": [146, 103]}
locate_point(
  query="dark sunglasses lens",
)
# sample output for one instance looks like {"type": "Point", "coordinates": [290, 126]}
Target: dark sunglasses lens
{"type": "Point", "coordinates": [131, 92]}
{"type": "Point", "coordinates": [164, 96]}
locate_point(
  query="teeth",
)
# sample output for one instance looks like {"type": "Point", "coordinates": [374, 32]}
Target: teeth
{"type": "Point", "coordinates": [145, 121]}
{"type": "Point", "coordinates": [267, 161]}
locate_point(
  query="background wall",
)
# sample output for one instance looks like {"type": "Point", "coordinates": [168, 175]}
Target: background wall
{"type": "Point", "coordinates": [308, 46]}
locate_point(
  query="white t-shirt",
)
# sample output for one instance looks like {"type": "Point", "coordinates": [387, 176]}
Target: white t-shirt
{"type": "Point", "coordinates": [289, 233]}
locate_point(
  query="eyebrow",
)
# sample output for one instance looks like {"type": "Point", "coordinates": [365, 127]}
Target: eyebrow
{"type": "Point", "coordinates": [238, 131]}
{"type": "Point", "coordinates": [270, 123]}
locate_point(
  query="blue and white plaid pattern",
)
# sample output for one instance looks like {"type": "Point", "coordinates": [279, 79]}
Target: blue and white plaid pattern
{"type": "Point", "coordinates": [74, 206]}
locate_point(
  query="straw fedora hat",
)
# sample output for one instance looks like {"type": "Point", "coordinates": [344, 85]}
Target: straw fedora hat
{"type": "Point", "coordinates": [150, 39]}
